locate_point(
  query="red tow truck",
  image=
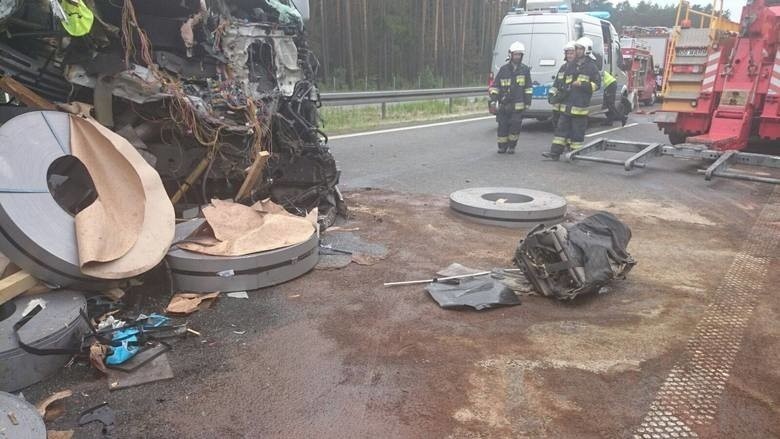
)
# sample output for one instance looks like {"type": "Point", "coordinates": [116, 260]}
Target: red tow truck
{"type": "Point", "coordinates": [721, 95]}
{"type": "Point", "coordinates": [640, 69]}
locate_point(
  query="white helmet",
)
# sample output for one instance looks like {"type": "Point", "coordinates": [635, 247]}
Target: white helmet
{"type": "Point", "coordinates": [517, 47]}
{"type": "Point", "coordinates": [569, 46]}
{"type": "Point", "coordinates": [585, 43]}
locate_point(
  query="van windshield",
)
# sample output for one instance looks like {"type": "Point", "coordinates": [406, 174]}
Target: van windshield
{"type": "Point", "coordinates": [543, 51]}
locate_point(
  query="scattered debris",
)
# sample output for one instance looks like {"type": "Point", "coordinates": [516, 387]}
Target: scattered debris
{"type": "Point", "coordinates": [479, 294]}
{"type": "Point", "coordinates": [239, 332]}
{"type": "Point", "coordinates": [238, 295]}
{"type": "Point", "coordinates": [147, 353]}
{"type": "Point", "coordinates": [114, 294]}
{"type": "Point", "coordinates": [437, 279]}
{"type": "Point", "coordinates": [511, 277]}
{"type": "Point", "coordinates": [456, 269]}
{"type": "Point", "coordinates": [188, 303]}
{"type": "Point", "coordinates": [102, 414]}
{"type": "Point", "coordinates": [567, 260]}
{"type": "Point", "coordinates": [97, 355]}
{"type": "Point", "coordinates": [109, 321]}
{"type": "Point", "coordinates": [339, 249]}
{"type": "Point", "coordinates": [50, 409]}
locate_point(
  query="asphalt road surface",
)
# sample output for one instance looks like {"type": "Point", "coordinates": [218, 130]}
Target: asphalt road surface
{"type": "Point", "coordinates": [686, 346]}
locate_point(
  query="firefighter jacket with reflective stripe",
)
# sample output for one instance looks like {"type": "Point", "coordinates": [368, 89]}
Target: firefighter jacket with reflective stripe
{"type": "Point", "coordinates": [79, 17]}
{"type": "Point", "coordinates": [512, 86]}
{"type": "Point", "coordinates": [607, 79]}
{"type": "Point", "coordinates": [560, 87]}
{"type": "Point", "coordinates": [584, 78]}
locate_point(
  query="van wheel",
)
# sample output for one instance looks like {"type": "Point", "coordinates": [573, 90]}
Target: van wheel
{"type": "Point", "coordinates": [676, 137]}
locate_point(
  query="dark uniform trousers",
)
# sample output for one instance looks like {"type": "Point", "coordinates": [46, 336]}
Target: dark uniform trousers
{"type": "Point", "coordinates": [509, 123]}
{"type": "Point", "coordinates": [573, 118]}
{"type": "Point", "coordinates": [569, 131]}
{"type": "Point", "coordinates": [513, 90]}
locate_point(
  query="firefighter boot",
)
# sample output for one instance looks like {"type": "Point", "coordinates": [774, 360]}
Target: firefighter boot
{"type": "Point", "coordinates": [512, 143]}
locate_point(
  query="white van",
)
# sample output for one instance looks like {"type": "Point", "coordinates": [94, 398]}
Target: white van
{"type": "Point", "coordinates": [544, 32]}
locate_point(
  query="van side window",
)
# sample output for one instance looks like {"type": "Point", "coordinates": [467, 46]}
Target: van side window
{"type": "Point", "coordinates": [598, 50]}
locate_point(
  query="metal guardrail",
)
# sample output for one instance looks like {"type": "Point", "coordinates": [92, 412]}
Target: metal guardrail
{"type": "Point", "coordinates": [382, 97]}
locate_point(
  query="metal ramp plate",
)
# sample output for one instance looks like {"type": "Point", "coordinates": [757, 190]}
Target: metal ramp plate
{"type": "Point", "coordinates": [694, 38]}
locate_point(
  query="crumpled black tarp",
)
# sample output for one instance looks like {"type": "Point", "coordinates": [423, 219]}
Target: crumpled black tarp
{"type": "Point", "coordinates": [472, 293]}
{"type": "Point", "coordinates": [596, 247]}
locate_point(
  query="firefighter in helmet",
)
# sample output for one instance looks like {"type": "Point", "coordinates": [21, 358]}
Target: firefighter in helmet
{"type": "Point", "coordinates": [557, 93]}
{"type": "Point", "coordinates": [513, 91]}
{"type": "Point", "coordinates": [583, 79]}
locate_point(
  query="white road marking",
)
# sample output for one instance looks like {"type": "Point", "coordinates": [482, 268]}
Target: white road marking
{"type": "Point", "coordinates": [413, 127]}
{"type": "Point", "coordinates": [611, 130]}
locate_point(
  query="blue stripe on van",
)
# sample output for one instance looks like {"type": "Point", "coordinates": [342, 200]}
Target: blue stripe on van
{"type": "Point", "coordinates": [540, 91]}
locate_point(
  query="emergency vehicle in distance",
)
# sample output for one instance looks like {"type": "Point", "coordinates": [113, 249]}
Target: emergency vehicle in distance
{"type": "Point", "coordinates": [544, 27]}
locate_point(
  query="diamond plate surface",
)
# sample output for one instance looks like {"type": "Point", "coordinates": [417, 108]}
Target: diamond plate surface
{"type": "Point", "coordinates": [690, 395]}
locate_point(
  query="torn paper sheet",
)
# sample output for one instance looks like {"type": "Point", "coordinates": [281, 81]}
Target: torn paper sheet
{"type": "Point", "coordinates": [49, 409]}
{"type": "Point", "coordinates": [152, 240]}
{"type": "Point", "coordinates": [238, 230]}
{"type": "Point", "coordinates": [188, 303]}
{"type": "Point", "coordinates": [109, 227]}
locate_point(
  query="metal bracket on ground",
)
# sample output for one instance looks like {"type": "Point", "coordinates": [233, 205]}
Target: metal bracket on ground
{"type": "Point", "coordinates": [720, 168]}
{"type": "Point", "coordinates": [642, 152]}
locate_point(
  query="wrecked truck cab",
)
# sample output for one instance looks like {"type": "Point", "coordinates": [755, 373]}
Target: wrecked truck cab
{"type": "Point", "coordinates": [199, 87]}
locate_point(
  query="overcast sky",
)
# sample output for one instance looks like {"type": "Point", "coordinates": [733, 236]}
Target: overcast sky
{"type": "Point", "coordinates": [735, 6]}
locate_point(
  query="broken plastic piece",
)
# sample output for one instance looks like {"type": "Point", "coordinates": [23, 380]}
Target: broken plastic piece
{"type": "Point", "coordinates": [477, 293]}
{"type": "Point", "coordinates": [101, 413]}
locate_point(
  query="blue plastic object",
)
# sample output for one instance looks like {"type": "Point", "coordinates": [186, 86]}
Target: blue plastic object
{"type": "Point", "coordinates": [124, 345]}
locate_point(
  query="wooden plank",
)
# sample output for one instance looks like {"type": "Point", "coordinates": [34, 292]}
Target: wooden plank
{"type": "Point", "coordinates": [15, 285]}
{"type": "Point", "coordinates": [24, 94]}
{"type": "Point", "coordinates": [254, 174]}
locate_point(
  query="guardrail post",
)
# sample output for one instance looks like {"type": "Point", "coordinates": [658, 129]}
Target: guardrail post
{"type": "Point", "coordinates": [449, 110]}
{"type": "Point", "coordinates": [384, 110]}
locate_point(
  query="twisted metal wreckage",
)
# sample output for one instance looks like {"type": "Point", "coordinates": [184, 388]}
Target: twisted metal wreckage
{"type": "Point", "coordinates": [202, 88]}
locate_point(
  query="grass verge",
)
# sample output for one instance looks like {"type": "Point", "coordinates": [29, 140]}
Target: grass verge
{"type": "Point", "coordinates": [340, 120]}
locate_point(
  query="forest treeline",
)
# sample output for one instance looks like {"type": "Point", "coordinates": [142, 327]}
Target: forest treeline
{"type": "Point", "coordinates": [380, 44]}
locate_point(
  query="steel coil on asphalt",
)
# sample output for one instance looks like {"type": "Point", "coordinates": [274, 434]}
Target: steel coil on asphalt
{"type": "Point", "coordinates": [20, 419]}
{"type": "Point", "coordinates": [57, 326]}
{"type": "Point", "coordinates": [35, 232]}
{"type": "Point", "coordinates": [508, 207]}
{"type": "Point", "coordinates": [195, 272]}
